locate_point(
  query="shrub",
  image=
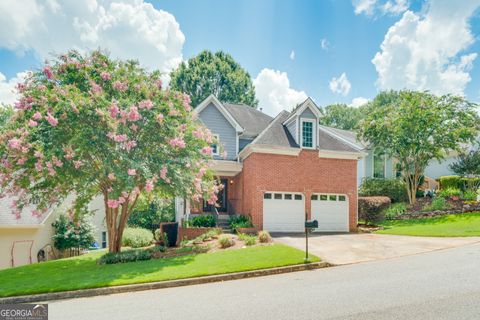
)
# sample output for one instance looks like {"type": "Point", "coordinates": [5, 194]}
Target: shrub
{"type": "Point", "coordinates": [470, 184]}
{"type": "Point", "coordinates": [370, 209]}
{"type": "Point", "coordinates": [239, 222]}
{"type": "Point", "coordinates": [136, 237]}
{"type": "Point", "coordinates": [161, 236]}
{"type": "Point", "coordinates": [393, 188]}
{"type": "Point", "coordinates": [149, 215]}
{"type": "Point", "coordinates": [264, 236]}
{"type": "Point", "coordinates": [450, 192]}
{"type": "Point", "coordinates": [438, 203]}
{"type": "Point", "coordinates": [129, 255]}
{"type": "Point", "coordinates": [469, 195]}
{"type": "Point", "coordinates": [225, 241]}
{"type": "Point", "coordinates": [73, 234]}
{"type": "Point", "coordinates": [125, 256]}
{"type": "Point", "coordinates": [394, 210]}
{"type": "Point", "coordinates": [248, 239]}
{"type": "Point", "coordinates": [450, 182]}
{"type": "Point", "coordinates": [204, 221]}
{"type": "Point", "coordinates": [457, 182]}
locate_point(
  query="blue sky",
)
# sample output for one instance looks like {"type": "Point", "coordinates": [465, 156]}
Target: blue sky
{"type": "Point", "coordinates": [437, 53]}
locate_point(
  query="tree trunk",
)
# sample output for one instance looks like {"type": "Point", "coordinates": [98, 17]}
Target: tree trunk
{"type": "Point", "coordinates": [411, 182]}
{"type": "Point", "coordinates": [115, 224]}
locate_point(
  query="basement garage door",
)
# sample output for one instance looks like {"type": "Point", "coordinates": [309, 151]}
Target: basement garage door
{"type": "Point", "coordinates": [331, 211]}
{"type": "Point", "coordinates": [283, 212]}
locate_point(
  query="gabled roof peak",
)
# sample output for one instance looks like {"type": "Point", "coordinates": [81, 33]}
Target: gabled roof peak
{"type": "Point", "coordinates": [307, 103]}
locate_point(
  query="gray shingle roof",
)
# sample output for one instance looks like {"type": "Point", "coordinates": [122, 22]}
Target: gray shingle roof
{"type": "Point", "coordinates": [349, 136]}
{"type": "Point", "coordinates": [7, 218]}
{"type": "Point", "coordinates": [329, 142]}
{"type": "Point", "coordinates": [271, 131]}
{"type": "Point", "coordinates": [251, 119]}
{"type": "Point", "coordinates": [276, 133]}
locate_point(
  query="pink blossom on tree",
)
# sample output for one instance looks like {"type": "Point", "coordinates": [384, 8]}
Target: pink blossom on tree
{"type": "Point", "coordinates": [51, 119]}
{"type": "Point", "coordinates": [100, 138]}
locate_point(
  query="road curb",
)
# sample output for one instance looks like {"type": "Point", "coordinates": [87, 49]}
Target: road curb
{"type": "Point", "coordinates": [160, 285]}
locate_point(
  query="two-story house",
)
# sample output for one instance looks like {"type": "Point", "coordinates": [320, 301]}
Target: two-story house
{"type": "Point", "coordinates": [281, 170]}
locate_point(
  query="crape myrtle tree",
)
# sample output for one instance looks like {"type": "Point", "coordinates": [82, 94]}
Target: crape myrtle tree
{"type": "Point", "coordinates": [417, 127]}
{"type": "Point", "coordinates": [87, 125]}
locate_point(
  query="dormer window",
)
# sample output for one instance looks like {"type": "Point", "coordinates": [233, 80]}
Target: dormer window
{"type": "Point", "coordinates": [214, 146]}
{"type": "Point", "coordinates": [307, 136]}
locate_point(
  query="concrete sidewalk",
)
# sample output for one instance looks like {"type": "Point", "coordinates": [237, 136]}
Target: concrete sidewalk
{"type": "Point", "coordinates": [353, 248]}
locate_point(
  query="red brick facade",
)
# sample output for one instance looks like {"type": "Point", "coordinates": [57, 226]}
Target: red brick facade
{"type": "Point", "coordinates": [306, 173]}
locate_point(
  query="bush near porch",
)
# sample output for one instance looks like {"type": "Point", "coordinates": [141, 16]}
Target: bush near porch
{"type": "Point", "coordinates": [392, 188]}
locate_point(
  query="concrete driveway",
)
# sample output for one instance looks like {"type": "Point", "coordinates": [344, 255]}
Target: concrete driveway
{"type": "Point", "coordinates": [352, 248]}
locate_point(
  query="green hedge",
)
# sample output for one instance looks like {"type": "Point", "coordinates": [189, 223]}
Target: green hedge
{"type": "Point", "coordinates": [457, 182]}
{"type": "Point", "coordinates": [203, 221]}
{"type": "Point", "coordinates": [129, 255]}
{"type": "Point", "coordinates": [393, 188]}
{"type": "Point", "coordinates": [137, 237]}
{"type": "Point", "coordinates": [372, 209]}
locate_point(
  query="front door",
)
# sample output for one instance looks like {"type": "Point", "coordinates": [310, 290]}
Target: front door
{"type": "Point", "coordinates": [221, 202]}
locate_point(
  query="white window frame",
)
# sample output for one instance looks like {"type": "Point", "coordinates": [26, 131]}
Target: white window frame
{"type": "Point", "coordinates": [314, 136]}
{"type": "Point", "coordinates": [216, 137]}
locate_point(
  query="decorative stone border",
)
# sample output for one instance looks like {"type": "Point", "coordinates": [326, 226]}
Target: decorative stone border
{"type": "Point", "coordinates": [161, 284]}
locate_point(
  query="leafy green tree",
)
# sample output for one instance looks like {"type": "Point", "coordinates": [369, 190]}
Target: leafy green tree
{"type": "Point", "coordinates": [149, 213]}
{"type": "Point", "coordinates": [342, 116]}
{"type": "Point", "coordinates": [214, 73]}
{"type": "Point", "coordinates": [73, 232]}
{"type": "Point", "coordinates": [416, 127]}
{"type": "Point", "coordinates": [87, 125]}
{"type": "Point", "coordinates": [468, 166]}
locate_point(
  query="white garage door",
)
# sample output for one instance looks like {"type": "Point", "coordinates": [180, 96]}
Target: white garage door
{"type": "Point", "coordinates": [283, 212]}
{"type": "Point", "coordinates": [331, 211]}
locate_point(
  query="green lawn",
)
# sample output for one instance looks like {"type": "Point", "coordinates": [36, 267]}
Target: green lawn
{"type": "Point", "coordinates": [83, 272]}
{"type": "Point", "coordinates": [454, 225]}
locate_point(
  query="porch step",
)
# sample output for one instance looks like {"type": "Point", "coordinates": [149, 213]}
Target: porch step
{"type": "Point", "coordinates": [223, 222]}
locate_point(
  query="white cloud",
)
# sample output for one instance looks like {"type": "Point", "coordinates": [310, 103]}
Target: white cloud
{"type": "Point", "coordinates": [292, 55]}
{"type": "Point", "coordinates": [371, 7]}
{"type": "Point", "coordinates": [424, 51]}
{"type": "Point", "coordinates": [340, 85]}
{"type": "Point", "coordinates": [358, 101]}
{"type": "Point", "coordinates": [128, 29]}
{"type": "Point", "coordinates": [273, 91]}
{"type": "Point", "coordinates": [8, 93]}
{"type": "Point", "coordinates": [396, 6]}
{"type": "Point", "coordinates": [364, 6]}
{"type": "Point", "coordinates": [325, 44]}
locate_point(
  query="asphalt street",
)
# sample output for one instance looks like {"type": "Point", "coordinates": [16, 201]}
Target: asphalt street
{"type": "Point", "coordinates": [443, 284]}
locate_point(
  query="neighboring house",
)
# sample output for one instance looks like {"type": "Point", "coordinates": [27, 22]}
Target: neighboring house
{"type": "Point", "coordinates": [377, 165]}
{"type": "Point", "coordinates": [374, 164]}
{"type": "Point", "coordinates": [279, 170]}
{"type": "Point", "coordinates": [22, 239]}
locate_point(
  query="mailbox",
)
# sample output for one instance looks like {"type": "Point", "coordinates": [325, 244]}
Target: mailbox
{"type": "Point", "coordinates": [311, 224]}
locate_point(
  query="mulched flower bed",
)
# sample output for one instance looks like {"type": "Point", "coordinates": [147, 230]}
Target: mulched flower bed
{"type": "Point", "coordinates": [367, 228]}
{"type": "Point", "coordinates": [206, 246]}
{"type": "Point", "coordinates": [456, 207]}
